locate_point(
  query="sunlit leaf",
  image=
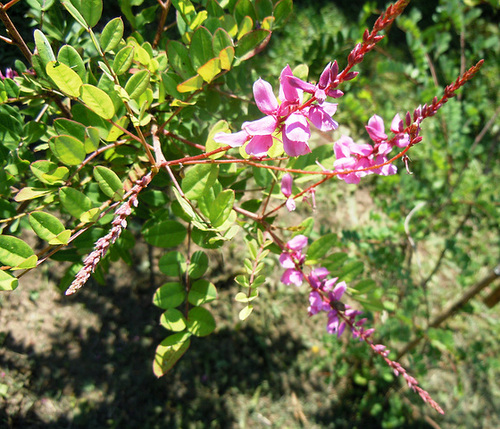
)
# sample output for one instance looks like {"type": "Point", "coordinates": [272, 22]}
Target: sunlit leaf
{"type": "Point", "coordinates": [108, 182]}
{"type": "Point", "coordinates": [112, 34]}
{"type": "Point", "coordinates": [201, 292]}
{"type": "Point", "coordinates": [65, 78]}
{"type": "Point", "coordinates": [98, 101]}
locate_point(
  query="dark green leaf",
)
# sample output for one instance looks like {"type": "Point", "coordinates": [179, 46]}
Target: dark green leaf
{"type": "Point", "coordinates": [172, 264]}
{"type": "Point", "coordinates": [164, 233]}
{"type": "Point", "coordinates": [200, 322]}
{"type": "Point", "coordinates": [198, 265]}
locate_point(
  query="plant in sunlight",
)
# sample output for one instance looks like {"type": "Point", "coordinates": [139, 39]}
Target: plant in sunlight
{"type": "Point", "coordinates": [100, 125]}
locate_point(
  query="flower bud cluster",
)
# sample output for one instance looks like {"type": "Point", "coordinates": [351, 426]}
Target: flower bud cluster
{"type": "Point", "coordinates": [102, 244]}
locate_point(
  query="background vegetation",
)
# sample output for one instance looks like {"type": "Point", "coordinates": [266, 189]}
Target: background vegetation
{"type": "Point", "coordinates": [85, 362]}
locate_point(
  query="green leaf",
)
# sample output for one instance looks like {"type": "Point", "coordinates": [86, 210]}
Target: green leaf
{"type": "Point", "coordinates": [45, 52]}
{"type": "Point", "coordinates": [198, 265]}
{"type": "Point", "coordinates": [173, 320]}
{"type": "Point", "coordinates": [210, 70]}
{"type": "Point", "coordinates": [169, 352]}
{"type": "Point", "coordinates": [137, 84]}
{"type": "Point", "coordinates": [221, 208]}
{"type": "Point", "coordinates": [14, 251]}
{"type": "Point", "coordinates": [74, 12]}
{"type": "Point", "coordinates": [199, 179]}
{"type": "Point", "coordinates": [170, 295]}
{"type": "Point", "coordinates": [335, 260]}
{"type": "Point", "coordinates": [98, 101]}
{"type": "Point", "coordinates": [226, 57]}
{"type": "Point", "coordinates": [123, 60]}
{"type": "Point", "coordinates": [201, 50]}
{"type": "Point", "coordinates": [244, 27]}
{"type": "Point", "coordinates": [371, 303]}
{"type": "Point", "coordinates": [66, 79]}
{"type": "Point", "coordinates": [164, 233]}
{"type": "Point", "coordinates": [244, 8]}
{"type": "Point", "coordinates": [321, 246]}
{"type": "Point", "coordinates": [350, 271]}
{"type": "Point", "coordinates": [92, 139]}
{"type": "Point", "coordinates": [90, 10]}
{"type": "Point", "coordinates": [221, 40]}
{"type": "Point", "coordinates": [45, 225]}
{"type": "Point", "coordinates": [75, 202]}
{"type": "Point", "coordinates": [211, 144]}
{"type": "Point", "coordinates": [192, 84]}
{"type": "Point", "coordinates": [112, 34]}
{"type": "Point", "coordinates": [200, 322]}
{"type": "Point", "coordinates": [67, 149]}
{"type": "Point", "coordinates": [264, 9]}
{"type": "Point", "coordinates": [30, 193]}
{"type": "Point", "coordinates": [49, 173]}
{"type": "Point", "coordinates": [365, 286]}
{"type": "Point", "coordinates": [282, 10]}
{"type": "Point", "coordinates": [108, 182]}
{"type": "Point", "coordinates": [179, 59]}
{"type": "Point", "coordinates": [245, 312]}
{"type": "Point", "coordinates": [7, 281]}
{"type": "Point", "coordinates": [252, 43]}
{"type": "Point", "coordinates": [172, 264]}
{"type": "Point", "coordinates": [201, 292]}
{"type": "Point", "coordinates": [70, 128]}
{"type": "Point", "coordinates": [69, 56]}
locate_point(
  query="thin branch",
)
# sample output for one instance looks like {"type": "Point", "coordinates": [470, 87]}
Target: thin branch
{"type": "Point", "coordinates": [17, 40]}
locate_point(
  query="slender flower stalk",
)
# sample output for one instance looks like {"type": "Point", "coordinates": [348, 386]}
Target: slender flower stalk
{"type": "Point", "coordinates": [102, 245]}
{"type": "Point", "coordinates": [326, 295]}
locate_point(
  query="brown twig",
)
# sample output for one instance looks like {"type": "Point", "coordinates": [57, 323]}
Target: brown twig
{"type": "Point", "coordinates": [165, 7]}
{"type": "Point", "coordinates": [16, 38]}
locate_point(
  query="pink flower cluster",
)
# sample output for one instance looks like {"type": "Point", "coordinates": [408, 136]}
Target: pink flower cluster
{"type": "Point", "coordinates": [9, 74]}
{"type": "Point", "coordinates": [352, 156]}
{"type": "Point", "coordinates": [292, 259]}
{"type": "Point", "coordinates": [288, 117]}
{"type": "Point", "coordinates": [326, 293]}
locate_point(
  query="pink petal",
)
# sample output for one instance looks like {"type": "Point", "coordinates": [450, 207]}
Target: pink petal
{"type": "Point", "coordinates": [286, 184]}
{"type": "Point", "coordinates": [261, 127]}
{"type": "Point", "coordinates": [300, 84]}
{"type": "Point", "coordinates": [288, 92]}
{"type": "Point", "coordinates": [259, 145]}
{"type": "Point", "coordinates": [295, 148]}
{"type": "Point", "coordinates": [375, 128]}
{"type": "Point", "coordinates": [290, 204]}
{"type": "Point", "coordinates": [297, 128]}
{"type": "Point", "coordinates": [233, 140]}
{"type": "Point", "coordinates": [397, 125]}
{"type": "Point", "coordinates": [292, 276]}
{"type": "Point", "coordinates": [286, 260]}
{"type": "Point", "coordinates": [297, 243]}
{"type": "Point", "coordinates": [321, 119]}
{"type": "Point", "coordinates": [264, 97]}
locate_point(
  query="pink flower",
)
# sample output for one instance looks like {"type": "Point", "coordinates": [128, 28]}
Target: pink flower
{"type": "Point", "coordinates": [286, 190]}
{"type": "Point", "coordinates": [317, 304]}
{"type": "Point", "coordinates": [9, 74]}
{"type": "Point", "coordinates": [292, 260]}
{"type": "Point", "coordinates": [324, 86]}
{"type": "Point", "coordinates": [352, 156]}
{"type": "Point", "coordinates": [286, 118]}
